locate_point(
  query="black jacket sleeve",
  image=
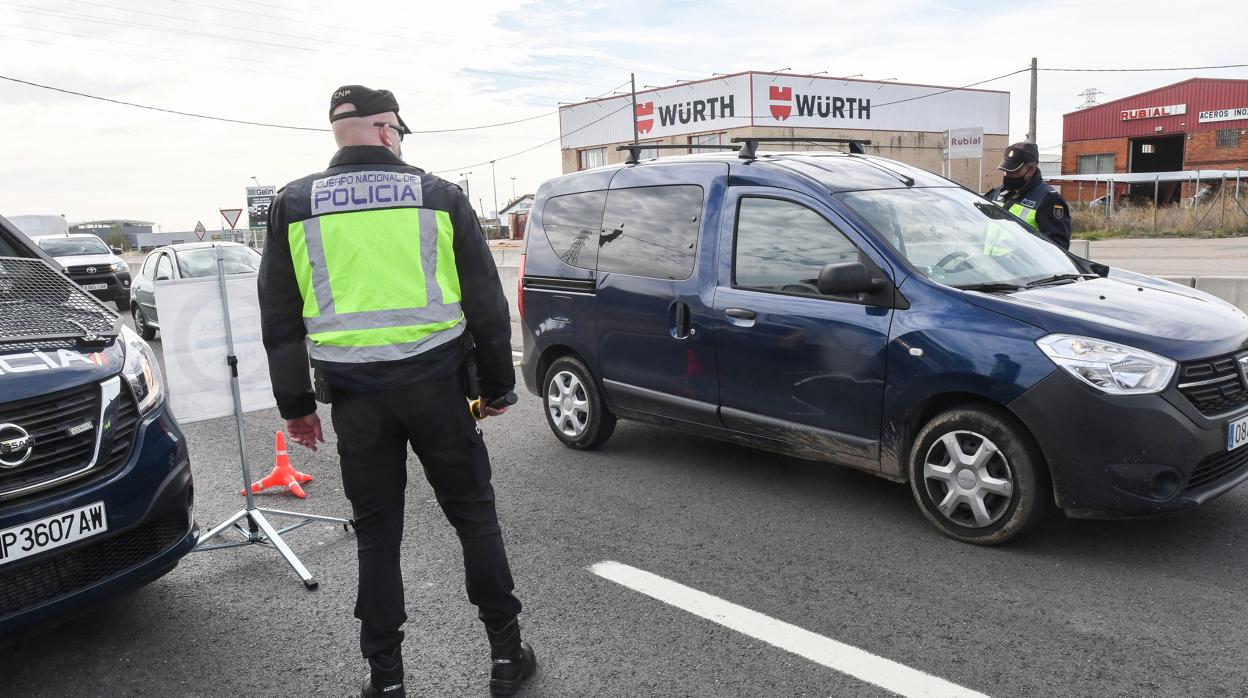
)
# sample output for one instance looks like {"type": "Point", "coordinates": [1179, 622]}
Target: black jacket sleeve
{"type": "Point", "coordinates": [1053, 217]}
{"type": "Point", "coordinates": [485, 306]}
{"type": "Point", "coordinates": [281, 316]}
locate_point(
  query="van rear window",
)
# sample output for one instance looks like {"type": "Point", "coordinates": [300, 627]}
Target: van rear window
{"type": "Point", "coordinates": [572, 223]}
{"type": "Point", "coordinates": [651, 231]}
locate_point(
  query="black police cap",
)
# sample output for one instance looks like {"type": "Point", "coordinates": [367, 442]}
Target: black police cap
{"type": "Point", "coordinates": [367, 102]}
{"type": "Point", "coordinates": [1019, 154]}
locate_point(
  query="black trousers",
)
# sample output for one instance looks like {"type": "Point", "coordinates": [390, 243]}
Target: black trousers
{"type": "Point", "coordinates": [374, 431]}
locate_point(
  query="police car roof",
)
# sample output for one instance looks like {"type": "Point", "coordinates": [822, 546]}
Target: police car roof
{"type": "Point", "coordinates": [831, 171]}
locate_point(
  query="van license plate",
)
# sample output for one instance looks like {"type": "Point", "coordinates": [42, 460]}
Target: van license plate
{"type": "Point", "coordinates": [1237, 434]}
{"type": "Point", "coordinates": [45, 534]}
{"type": "Point", "coordinates": [94, 287]}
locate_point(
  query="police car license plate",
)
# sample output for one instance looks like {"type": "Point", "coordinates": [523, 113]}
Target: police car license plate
{"type": "Point", "coordinates": [94, 287]}
{"type": "Point", "coordinates": [1237, 434]}
{"type": "Point", "coordinates": [53, 532]}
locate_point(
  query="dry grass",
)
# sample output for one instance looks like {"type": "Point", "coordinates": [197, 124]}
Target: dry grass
{"type": "Point", "coordinates": [1212, 219]}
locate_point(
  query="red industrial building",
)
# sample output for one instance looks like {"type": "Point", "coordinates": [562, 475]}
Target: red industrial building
{"type": "Point", "coordinates": [1197, 124]}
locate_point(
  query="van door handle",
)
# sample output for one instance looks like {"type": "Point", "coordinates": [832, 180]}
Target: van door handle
{"type": "Point", "coordinates": [741, 313]}
{"type": "Point", "coordinates": [682, 326]}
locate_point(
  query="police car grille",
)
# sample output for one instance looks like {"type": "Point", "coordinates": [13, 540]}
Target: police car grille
{"type": "Point", "coordinates": [1214, 386]}
{"type": "Point", "coordinates": [1219, 467]}
{"type": "Point", "coordinates": [125, 428]}
{"type": "Point", "coordinates": [53, 576]}
{"type": "Point", "coordinates": [57, 452]}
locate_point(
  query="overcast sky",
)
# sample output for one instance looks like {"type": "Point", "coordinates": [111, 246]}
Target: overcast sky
{"type": "Point", "coordinates": [479, 62]}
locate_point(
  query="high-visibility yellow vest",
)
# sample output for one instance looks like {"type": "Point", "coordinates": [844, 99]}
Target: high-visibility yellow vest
{"type": "Point", "coordinates": [378, 284]}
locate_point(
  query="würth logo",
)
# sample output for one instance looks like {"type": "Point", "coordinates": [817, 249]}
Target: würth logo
{"type": "Point", "coordinates": [781, 102]}
{"type": "Point", "coordinates": [822, 106]}
{"type": "Point", "coordinates": [645, 109]}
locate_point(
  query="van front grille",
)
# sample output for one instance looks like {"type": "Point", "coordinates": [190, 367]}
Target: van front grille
{"type": "Point", "coordinates": [1214, 386]}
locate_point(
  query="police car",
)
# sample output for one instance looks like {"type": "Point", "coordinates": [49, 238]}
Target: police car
{"type": "Point", "coordinates": [95, 480]}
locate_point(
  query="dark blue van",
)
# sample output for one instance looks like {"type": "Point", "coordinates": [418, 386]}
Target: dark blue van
{"type": "Point", "coordinates": [856, 310]}
{"type": "Point", "coordinates": [95, 480]}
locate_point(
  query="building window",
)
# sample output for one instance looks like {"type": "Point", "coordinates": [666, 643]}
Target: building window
{"type": "Point", "coordinates": [1100, 163]}
{"type": "Point", "coordinates": [593, 157]}
{"type": "Point", "coordinates": [1148, 149]}
{"type": "Point", "coordinates": [647, 153]}
{"type": "Point", "coordinates": [720, 138]}
{"type": "Point", "coordinates": [1228, 138]}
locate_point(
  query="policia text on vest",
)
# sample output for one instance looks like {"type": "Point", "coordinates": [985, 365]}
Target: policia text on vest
{"type": "Point", "coordinates": [379, 274]}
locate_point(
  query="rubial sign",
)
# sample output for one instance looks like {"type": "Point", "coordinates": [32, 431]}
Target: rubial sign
{"type": "Point", "coordinates": [1153, 112]}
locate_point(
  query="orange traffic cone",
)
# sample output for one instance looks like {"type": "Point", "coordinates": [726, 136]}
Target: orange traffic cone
{"type": "Point", "coordinates": [283, 474]}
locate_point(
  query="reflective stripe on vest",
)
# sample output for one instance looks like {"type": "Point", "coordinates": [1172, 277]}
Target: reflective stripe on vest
{"type": "Point", "coordinates": [1027, 214]}
{"type": "Point", "coordinates": [377, 284]}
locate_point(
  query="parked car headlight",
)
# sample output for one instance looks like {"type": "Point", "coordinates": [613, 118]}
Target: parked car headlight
{"type": "Point", "coordinates": [118, 266]}
{"type": "Point", "coordinates": [142, 370]}
{"type": "Point", "coordinates": [1112, 368]}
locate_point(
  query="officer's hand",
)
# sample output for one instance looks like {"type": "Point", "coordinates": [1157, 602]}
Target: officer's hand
{"type": "Point", "coordinates": [306, 431]}
{"type": "Point", "coordinates": [491, 411]}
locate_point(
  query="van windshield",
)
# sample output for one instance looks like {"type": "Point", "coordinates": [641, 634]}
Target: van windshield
{"type": "Point", "coordinates": [959, 239]}
{"type": "Point", "coordinates": [68, 247]}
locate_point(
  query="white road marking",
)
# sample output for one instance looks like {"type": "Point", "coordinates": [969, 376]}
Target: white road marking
{"type": "Point", "coordinates": [860, 664]}
{"type": "Point", "coordinates": [517, 363]}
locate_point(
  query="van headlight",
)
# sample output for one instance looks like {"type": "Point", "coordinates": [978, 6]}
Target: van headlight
{"type": "Point", "coordinates": [142, 371]}
{"type": "Point", "coordinates": [1112, 368]}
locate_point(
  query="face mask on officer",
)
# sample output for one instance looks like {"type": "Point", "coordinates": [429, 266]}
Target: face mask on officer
{"type": "Point", "coordinates": [1013, 181]}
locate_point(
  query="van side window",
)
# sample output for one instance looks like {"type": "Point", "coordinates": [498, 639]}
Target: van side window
{"type": "Point", "coordinates": [782, 246]}
{"type": "Point", "coordinates": [651, 231]}
{"type": "Point", "coordinates": [572, 223]}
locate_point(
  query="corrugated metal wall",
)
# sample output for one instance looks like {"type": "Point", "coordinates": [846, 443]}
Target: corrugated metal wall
{"type": "Point", "coordinates": [1199, 94]}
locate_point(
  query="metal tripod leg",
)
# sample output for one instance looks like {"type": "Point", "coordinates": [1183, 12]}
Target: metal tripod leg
{"type": "Point", "coordinates": [221, 528]}
{"type": "Point", "coordinates": [276, 540]}
{"type": "Point", "coordinates": [312, 517]}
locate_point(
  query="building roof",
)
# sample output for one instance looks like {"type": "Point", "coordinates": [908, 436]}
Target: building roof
{"type": "Point", "coordinates": [110, 221]}
{"type": "Point", "coordinates": [1133, 117]}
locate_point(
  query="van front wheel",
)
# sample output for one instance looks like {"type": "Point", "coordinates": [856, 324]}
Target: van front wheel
{"type": "Point", "coordinates": [978, 477]}
{"type": "Point", "coordinates": [574, 407]}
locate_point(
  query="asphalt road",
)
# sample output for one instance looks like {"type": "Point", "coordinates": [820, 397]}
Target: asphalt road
{"type": "Point", "coordinates": [1175, 257]}
{"type": "Point", "coordinates": [1138, 608]}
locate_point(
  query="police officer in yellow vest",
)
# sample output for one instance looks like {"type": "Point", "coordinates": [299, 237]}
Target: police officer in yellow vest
{"type": "Point", "coordinates": [1024, 193]}
{"type": "Point", "coordinates": [379, 271]}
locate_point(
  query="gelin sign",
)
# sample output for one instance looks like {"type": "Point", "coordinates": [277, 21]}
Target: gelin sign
{"type": "Point", "coordinates": [1153, 112]}
{"type": "Point", "coordinates": [964, 143]}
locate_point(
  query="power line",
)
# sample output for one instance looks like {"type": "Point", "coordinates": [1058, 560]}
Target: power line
{"type": "Point", "coordinates": [539, 145]}
{"type": "Point", "coordinates": [1141, 70]}
{"type": "Point", "coordinates": [251, 123]}
{"type": "Point", "coordinates": [951, 89]}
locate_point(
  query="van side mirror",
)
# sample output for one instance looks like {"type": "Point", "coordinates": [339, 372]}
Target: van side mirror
{"type": "Point", "coordinates": [847, 278]}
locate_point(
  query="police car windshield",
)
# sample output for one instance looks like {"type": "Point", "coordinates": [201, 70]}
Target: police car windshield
{"type": "Point", "coordinates": [203, 261]}
{"type": "Point", "coordinates": [959, 239]}
{"type": "Point", "coordinates": [68, 247]}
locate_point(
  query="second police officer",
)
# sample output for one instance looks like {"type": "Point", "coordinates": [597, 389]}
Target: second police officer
{"type": "Point", "coordinates": [1024, 193]}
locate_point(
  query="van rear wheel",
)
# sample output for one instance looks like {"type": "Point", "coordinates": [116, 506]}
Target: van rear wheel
{"type": "Point", "coordinates": [574, 407]}
{"type": "Point", "coordinates": [978, 476]}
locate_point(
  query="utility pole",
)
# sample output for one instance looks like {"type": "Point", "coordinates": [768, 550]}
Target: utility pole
{"type": "Point", "coordinates": [632, 80]}
{"type": "Point", "coordinates": [513, 188]}
{"type": "Point", "coordinates": [1031, 113]}
{"type": "Point", "coordinates": [497, 222]}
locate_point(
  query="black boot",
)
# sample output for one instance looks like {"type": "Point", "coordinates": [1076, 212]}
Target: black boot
{"type": "Point", "coordinates": [514, 661]}
{"type": "Point", "coordinates": [385, 676]}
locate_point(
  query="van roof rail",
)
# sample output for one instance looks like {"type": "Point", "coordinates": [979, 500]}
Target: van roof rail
{"type": "Point", "coordinates": [750, 150]}
{"type": "Point", "coordinates": [634, 149]}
